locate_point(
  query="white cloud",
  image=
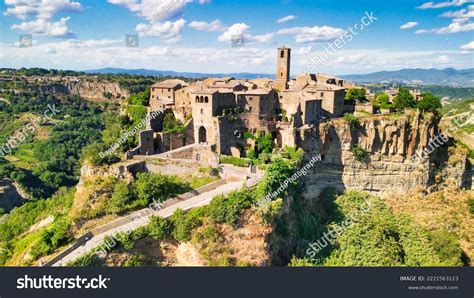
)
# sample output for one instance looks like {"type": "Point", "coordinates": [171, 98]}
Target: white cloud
{"type": "Point", "coordinates": [304, 50]}
{"type": "Point", "coordinates": [42, 11]}
{"type": "Point", "coordinates": [44, 27]}
{"type": "Point", "coordinates": [313, 34]}
{"type": "Point", "coordinates": [264, 38]}
{"type": "Point", "coordinates": [443, 59]}
{"type": "Point", "coordinates": [468, 47]}
{"type": "Point", "coordinates": [464, 13]}
{"type": "Point", "coordinates": [169, 32]}
{"type": "Point", "coordinates": [238, 29]}
{"type": "Point", "coordinates": [286, 19]}
{"type": "Point", "coordinates": [409, 25]}
{"type": "Point", "coordinates": [433, 5]}
{"type": "Point", "coordinates": [241, 30]}
{"type": "Point", "coordinates": [215, 25]}
{"type": "Point", "coordinates": [457, 25]}
{"type": "Point", "coordinates": [153, 10]}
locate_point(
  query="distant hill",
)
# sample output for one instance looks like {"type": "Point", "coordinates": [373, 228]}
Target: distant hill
{"type": "Point", "coordinates": [418, 76]}
{"type": "Point", "coordinates": [164, 73]}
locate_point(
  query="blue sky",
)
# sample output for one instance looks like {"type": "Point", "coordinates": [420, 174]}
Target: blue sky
{"type": "Point", "coordinates": [195, 35]}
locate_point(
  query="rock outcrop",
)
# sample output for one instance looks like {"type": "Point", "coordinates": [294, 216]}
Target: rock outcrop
{"type": "Point", "coordinates": [91, 90]}
{"type": "Point", "coordinates": [392, 146]}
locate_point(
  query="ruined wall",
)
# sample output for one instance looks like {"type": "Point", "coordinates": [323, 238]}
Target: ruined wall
{"type": "Point", "coordinates": [389, 142]}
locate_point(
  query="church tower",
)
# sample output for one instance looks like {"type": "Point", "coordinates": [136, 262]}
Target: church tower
{"type": "Point", "coordinates": [283, 68]}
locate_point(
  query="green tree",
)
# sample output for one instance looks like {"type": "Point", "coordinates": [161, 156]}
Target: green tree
{"type": "Point", "coordinates": [159, 227]}
{"type": "Point", "coordinates": [429, 103]}
{"type": "Point", "coordinates": [355, 95]}
{"type": "Point", "coordinates": [382, 101]}
{"type": "Point", "coordinates": [122, 197]}
{"type": "Point", "coordinates": [171, 124]}
{"type": "Point", "coordinates": [158, 187]}
{"type": "Point", "coordinates": [140, 99]}
{"type": "Point", "coordinates": [404, 99]}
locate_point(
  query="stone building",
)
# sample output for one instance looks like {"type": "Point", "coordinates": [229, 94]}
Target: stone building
{"type": "Point", "coordinates": [223, 109]}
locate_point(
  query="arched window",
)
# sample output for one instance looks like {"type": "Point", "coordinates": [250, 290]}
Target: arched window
{"type": "Point", "coordinates": [282, 54]}
{"type": "Point", "coordinates": [206, 99]}
{"type": "Point", "coordinates": [197, 99]}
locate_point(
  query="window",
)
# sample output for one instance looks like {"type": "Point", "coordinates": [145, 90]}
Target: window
{"type": "Point", "coordinates": [282, 54]}
{"type": "Point", "coordinates": [197, 99]}
{"type": "Point", "coordinates": [202, 111]}
{"type": "Point", "coordinates": [322, 93]}
{"type": "Point", "coordinates": [206, 99]}
{"type": "Point", "coordinates": [250, 109]}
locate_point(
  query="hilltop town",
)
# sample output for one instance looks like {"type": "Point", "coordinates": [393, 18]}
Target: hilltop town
{"type": "Point", "coordinates": [219, 111]}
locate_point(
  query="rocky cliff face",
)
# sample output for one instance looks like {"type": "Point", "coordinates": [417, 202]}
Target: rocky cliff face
{"type": "Point", "coordinates": [90, 90]}
{"type": "Point", "coordinates": [390, 144]}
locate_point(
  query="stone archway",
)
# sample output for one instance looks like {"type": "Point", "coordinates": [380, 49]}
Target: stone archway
{"type": "Point", "coordinates": [202, 135]}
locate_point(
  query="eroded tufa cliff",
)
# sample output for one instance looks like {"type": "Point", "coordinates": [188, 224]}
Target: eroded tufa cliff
{"type": "Point", "coordinates": [391, 146]}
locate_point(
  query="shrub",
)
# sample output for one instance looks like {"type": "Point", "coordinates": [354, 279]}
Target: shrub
{"type": "Point", "coordinates": [226, 209]}
{"type": "Point", "coordinates": [87, 260]}
{"type": "Point", "coordinates": [359, 154]}
{"type": "Point", "coordinates": [121, 198]}
{"type": "Point", "coordinates": [184, 223]}
{"type": "Point", "coordinates": [447, 247]}
{"type": "Point", "coordinates": [236, 161]}
{"type": "Point", "coordinates": [171, 124]}
{"type": "Point", "coordinates": [52, 238]}
{"type": "Point", "coordinates": [352, 120]}
{"type": "Point", "coordinates": [159, 228]}
{"type": "Point", "coordinates": [151, 186]}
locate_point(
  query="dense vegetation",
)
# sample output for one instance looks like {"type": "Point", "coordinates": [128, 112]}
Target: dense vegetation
{"type": "Point", "coordinates": [366, 233]}
{"type": "Point", "coordinates": [43, 165]}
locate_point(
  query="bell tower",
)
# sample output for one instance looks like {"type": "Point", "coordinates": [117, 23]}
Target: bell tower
{"type": "Point", "coordinates": [283, 68]}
